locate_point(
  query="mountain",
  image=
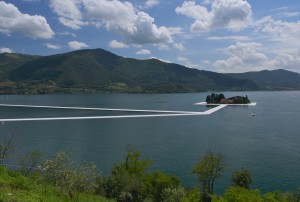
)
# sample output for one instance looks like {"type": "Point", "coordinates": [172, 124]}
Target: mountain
{"type": "Point", "coordinates": [97, 70]}
{"type": "Point", "coordinates": [272, 80]}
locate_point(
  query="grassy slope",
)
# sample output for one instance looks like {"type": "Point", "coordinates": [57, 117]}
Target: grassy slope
{"type": "Point", "coordinates": [11, 61]}
{"type": "Point", "coordinates": [16, 187]}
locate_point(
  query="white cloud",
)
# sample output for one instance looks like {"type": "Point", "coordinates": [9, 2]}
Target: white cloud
{"type": "Point", "coordinates": [280, 9]}
{"type": "Point", "coordinates": [76, 45]}
{"type": "Point", "coordinates": [286, 61]}
{"type": "Point", "coordinates": [252, 56]}
{"type": "Point", "coordinates": [162, 46]}
{"type": "Point", "coordinates": [291, 14]}
{"type": "Point", "coordinates": [117, 44]}
{"type": "Point", "coordinates": [179, 46]}
{"type": "Point", "coordinates": [121, 17]}
{"type": "Point", "coordinates": [65, 34]}
{"type": "Point", "coordinates": [233, 15]}
{"type": "Point", "coordinates": [53, 46]}
{"type": "Point", "coordinates": [280, 31]}
{"type": "Point", "coordinates": [151, 3]}
{"type": "Point", "coordinates": [69, 13]}
{"type": "Point", "coordinates": [175, 30]}
{"type": "Point", "coordinates": [5, 50]}
{"type": "Point", "coordinates": [243, 57]}
{"type": "Point", "coordinates": [143, 52]}
{"type": "Point", "coordinates": [186, 62]}
{"type": "Point", "coordinates": [234, 38]}
{"type": "Point", "coordinates": [12, 20]}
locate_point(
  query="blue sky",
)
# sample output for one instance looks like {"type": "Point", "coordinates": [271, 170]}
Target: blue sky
{"type": "Point", "coordinates": [214, 35]}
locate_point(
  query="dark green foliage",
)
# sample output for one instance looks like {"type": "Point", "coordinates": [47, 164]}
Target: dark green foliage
{"type": "Point", "coordinates": [240, 100]}
{"type": "Point", "coordinates": [242, 178]}
{"type": "Point", "coordinates": [215, 98]}
{"type": "Point", "coordinates": [126, 181]}
{"type": "Point", "coordinates": [157, 182]}
{"type": "Point", "coordinates": [208, 169]}
{"type": "Point", "coordinates": [130, 181]}
{"type": "Point", "coordinates": [97, 70]}
{"type": "Point", "coordinates": [192, 195]}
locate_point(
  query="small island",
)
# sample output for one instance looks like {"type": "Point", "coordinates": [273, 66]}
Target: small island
{"type": "Point", "coordinates": [220, 99]}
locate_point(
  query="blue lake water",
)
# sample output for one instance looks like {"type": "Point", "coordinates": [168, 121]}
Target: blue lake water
{"type": "Point", "coordinates": [268, 143]}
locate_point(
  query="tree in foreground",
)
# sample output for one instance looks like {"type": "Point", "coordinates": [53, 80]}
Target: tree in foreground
{"type": "Point", "coordinates": [156, 182]}
{"type": "Point", "coordinates": [208, 169]}
{"type": "Point", "coordinates": [242, 178]}
{"type": "Point", "coordinates": [69, 177]}
{"type": "Point", "coordinates": [125, 182]}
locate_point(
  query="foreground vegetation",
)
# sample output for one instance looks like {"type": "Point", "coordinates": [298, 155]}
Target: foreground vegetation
{"type": "Point", "coordinates": [62, 179]}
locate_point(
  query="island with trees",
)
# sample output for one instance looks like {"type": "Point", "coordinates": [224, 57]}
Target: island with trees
{"type": "Point", "coordinates": [220, 99]}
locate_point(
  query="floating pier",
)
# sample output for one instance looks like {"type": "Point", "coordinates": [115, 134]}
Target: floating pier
{"type": "Point", "coordinates": [159, 113]}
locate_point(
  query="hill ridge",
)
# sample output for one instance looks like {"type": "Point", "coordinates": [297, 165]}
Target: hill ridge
{"type": "Point", "coordinates": [98, 70]}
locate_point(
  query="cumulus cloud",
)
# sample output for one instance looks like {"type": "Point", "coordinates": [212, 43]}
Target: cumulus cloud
{"type": "Point", "coordinates": [76, 45]}
{"type": "Point", "coordinates": [243, 57]}
{"type": "Point", "coordinates": [179, 46]}
{"type": "Point", "coordinates": [121, 17]}
{"type": "Point", "coordinates": [233, 15]}
{"type": "Point", "coordinates": [53, 46]}
{"type": "Point", "coordinates": [69, 13]}
{"type": "Point", "coordinates": [117, 44]}
{"type": "Point", "coordinates": [33, 26]}
{"type": "Point", "coordinates": [286, 61]}
{"type": "Point", "coordinates": [151, 3]}
{"type": "Point", "coordinates": [281, 31]}
{"type": "Point", "coordinates": [143, 52]}
{"type": "Point", "coordinates": [252, 56]}
{"type": "Point", "coordinates": [162, 47]}
{"type": "Point", "coordinates": [5, 50]}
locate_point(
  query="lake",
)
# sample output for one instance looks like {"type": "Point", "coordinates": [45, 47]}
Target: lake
{"type": "Point", "coordinates": [267, 143]}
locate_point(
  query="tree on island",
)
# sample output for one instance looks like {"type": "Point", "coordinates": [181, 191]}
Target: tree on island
{"type": "Point", "coordinates": [220, 99]}
{"type": "Point", "coordinates": [215, 98]}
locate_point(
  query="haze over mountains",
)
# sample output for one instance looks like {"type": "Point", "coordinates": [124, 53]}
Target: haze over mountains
{"type": "Point", "coordinates": [97, 70]}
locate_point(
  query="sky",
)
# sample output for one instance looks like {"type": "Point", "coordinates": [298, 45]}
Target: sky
{"type": "Point", "coordinates": [226, 36]}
